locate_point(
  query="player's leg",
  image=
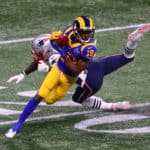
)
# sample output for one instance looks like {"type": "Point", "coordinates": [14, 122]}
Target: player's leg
{"type": "Point", "coordinates": [82, 93]}
{"type": "Point", "coordinates": [99, 104]}
{"type": "Point", "coordinates": [113, 62]}
{"type": "Point", "coordinates": [48, 84]}
{"type": "Point", "coordinates": [29, 108]}
{"type": "Point", "coordinates": [64, 84]}
{"type": "Point", "coordinates": [133, 39]}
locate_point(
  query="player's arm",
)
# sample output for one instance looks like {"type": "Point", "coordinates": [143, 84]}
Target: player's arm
{"type": "Point", "coordinates": [35, 65]}
{"type": "Point", "coordinates": [75, 68]}
{"type": "Point", "coordinates": [59, 41]}
{"type": "Point", "coordinates": [18, 78]}
{"type": "Point", "coordinates": [87, 55]}
{"type": "Point", "coordinates": [31, 68]}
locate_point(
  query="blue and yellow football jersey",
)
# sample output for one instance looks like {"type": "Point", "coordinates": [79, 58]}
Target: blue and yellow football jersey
{"type": "Point", "coordinates": [76, 50]}
{"type": "Point", "coordinates": [61, 78]}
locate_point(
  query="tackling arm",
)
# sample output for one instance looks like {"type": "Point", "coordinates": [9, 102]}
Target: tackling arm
{"type": "Point", "coordinates": [75, 68]}
{"type": "Point", "coordinates": [18, 78]}
{"type": "Point", "coordinates": [31, 68]}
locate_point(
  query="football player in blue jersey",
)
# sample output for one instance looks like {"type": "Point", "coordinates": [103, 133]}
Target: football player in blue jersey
{"type": "Point", "coordinates": [91, 79]}
{"type": "Point", "coordinates": [77, 47]}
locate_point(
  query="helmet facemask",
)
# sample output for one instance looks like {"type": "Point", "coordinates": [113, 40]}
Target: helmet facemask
{"type": "Point", "coordinates": [85, 36]}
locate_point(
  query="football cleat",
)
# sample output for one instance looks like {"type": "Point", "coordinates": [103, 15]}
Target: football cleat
{"type": "Point", "coordinates": [10, 133]}
{"type": "Point", "coordinates": [125, 105]}
{"type": "Point", "coordinates": [138, 33]}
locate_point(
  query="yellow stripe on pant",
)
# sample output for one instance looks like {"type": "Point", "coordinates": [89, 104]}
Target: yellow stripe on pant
{"type": "Point", "coordinates": [55, 85]}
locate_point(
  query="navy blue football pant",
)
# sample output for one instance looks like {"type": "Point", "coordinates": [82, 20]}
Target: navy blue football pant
{"type": "Point", "coordinates": [97, 69]}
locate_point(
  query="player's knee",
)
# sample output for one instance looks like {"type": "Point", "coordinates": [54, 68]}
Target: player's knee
{"type": "Point", "coordinates": [81, 94]}
{"type": "Point", "coordinates": [76, 98]}
{"type": "Point", "coordinates": [38, 98]}
{"type": "Point", "coordinates": [53, 97]}
{"type": "Point", "coordinates": [50, 100]}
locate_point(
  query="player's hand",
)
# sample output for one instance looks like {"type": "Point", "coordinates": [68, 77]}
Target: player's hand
{"type": "Point", "coordinates": [55, 35]}
{"type": "Point", "coordinates": [42, 66]}
{"type": "Point", "coordinates": [83, 76]}
{"type": "Point", "coordinates": [62, 41]}
{"type": "Point", "coordinates": [53, 59]}
{"type": "Point", "coordinates": [17, 78]}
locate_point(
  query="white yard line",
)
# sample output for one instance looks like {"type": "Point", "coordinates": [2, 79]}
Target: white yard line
{"type": "Point", "coordinates": [68, 103]}
{"type": "Point", "coordinates": [98, 30]}
{"type": "Point", "coordinates": [2, 87]}
{"type": "Point", "coordinates": [16, 41]}
{"type": "Point", "coordinates": [56, 116]}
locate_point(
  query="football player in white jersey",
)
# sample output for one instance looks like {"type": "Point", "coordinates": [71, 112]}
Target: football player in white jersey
{"type": "Point", "coordinates": [44, 56]}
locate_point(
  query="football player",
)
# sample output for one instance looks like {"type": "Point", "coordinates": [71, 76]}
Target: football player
{"type": "Point", "coordinates": [77, 47]}
{"type": "Point", "coordinates": [91, 80]}
{"type": "Point", "coordinates": [44, 56]}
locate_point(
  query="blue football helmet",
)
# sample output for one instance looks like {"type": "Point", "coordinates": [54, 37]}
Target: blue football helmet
{"type": "Point", "coordinates": [84, 25]}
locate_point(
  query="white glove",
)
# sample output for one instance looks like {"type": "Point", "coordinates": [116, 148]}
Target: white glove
{"type": "Point", "coordinates": [83, 76]}
{"type": "Point", "coordinates": [53, 59]}
{"type": "Point", "coordinates": [18, 78]}
{"type": "Point", "coordinates": [42, 66]}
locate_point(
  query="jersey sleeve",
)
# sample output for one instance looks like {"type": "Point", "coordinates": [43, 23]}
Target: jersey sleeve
{"type": "Point", "coordinates": [88, 51]}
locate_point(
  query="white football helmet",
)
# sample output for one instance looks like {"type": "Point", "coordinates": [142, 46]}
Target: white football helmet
{"type": "Point", "coordinates": [41, 47]}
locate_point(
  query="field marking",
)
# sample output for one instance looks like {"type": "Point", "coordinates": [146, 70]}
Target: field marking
{"type": "Point", "coordinates": [63, 103]}
{"type": "Point", "coordinates": [32, 93]}
{"type": "Point", "coordinates": [85, 124]}
{"type": "Point", "coordinates": [58, 116]}
{"type": "Point", "coordinates": [6, 112]}
{"type": "Point", "coordinates": [2, 87]}
{"type": "Point", "coordinates": [69, 103]}
{"type": "Point", "coordinates": [98, 30]}
{"type": "Point", "coordinates": [16, 41]}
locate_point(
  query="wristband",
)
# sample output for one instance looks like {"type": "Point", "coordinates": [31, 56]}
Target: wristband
{"type": "Point", "coordinates": [23, 72]}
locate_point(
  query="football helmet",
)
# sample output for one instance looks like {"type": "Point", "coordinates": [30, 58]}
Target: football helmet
{"type": "Point", "coordinates": [41, 47]}
{"type": "Point", "coordinates": [84, 25]}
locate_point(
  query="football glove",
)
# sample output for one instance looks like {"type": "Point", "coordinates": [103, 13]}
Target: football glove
{"type": "Point", "coordinates": [82, 77]}
{"type": "Point", "coordinates": [18, 78]}
{"type": "Point", "coordinates": [55, 35]}
{"type": "Point", "coordinates": [53, 59]}
{"type": "Point", "coordinates": [42, 66]}
{"type": "Point", "coordinates": [62, 41]}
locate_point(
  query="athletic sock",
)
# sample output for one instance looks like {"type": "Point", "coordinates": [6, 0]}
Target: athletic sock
{"type": "Point", "coordinates": [30, 107]}
{"type": "Point", "coordinates": [97, 103]}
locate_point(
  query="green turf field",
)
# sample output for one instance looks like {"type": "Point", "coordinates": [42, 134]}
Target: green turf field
{"type": "Point", "coordinates": [56, 127]}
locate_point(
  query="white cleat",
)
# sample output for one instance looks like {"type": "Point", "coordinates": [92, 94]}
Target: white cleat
{"type": "Point", "coordinates": [125, 105]}
{"type": "Point", "coordinates": [10, 133]}
{"type": "Point", "coordinates": [138, 33]}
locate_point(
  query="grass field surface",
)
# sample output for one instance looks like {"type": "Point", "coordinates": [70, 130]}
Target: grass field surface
{"type": "Point", "coordinates": [54, 127]}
